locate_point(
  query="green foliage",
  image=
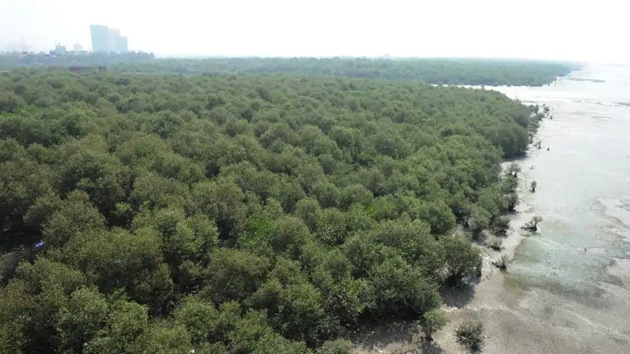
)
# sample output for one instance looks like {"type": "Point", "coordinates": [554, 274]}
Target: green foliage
{"type": "Point", "coordinates": [13, 60]}
{"type": "Point", "coordinates": [532, 225]}
{"type": "Point", "coordinates": [471, 334]}
{"type": "Point", "coordinates": [462, 261]}
{"type": "Point", "coordinates": [80, 322]}
{"type": "Point", "coordinates": [435, 70]}
{"type": "Point", "coordinates": [338, 346]}
{"type": "Point", "coordinates": [433, 321]}
{"type": "Point", "coordinates": [239, 213]}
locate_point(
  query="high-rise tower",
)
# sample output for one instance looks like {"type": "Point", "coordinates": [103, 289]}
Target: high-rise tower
{"type": "Point", "coordinates": [100, 38]}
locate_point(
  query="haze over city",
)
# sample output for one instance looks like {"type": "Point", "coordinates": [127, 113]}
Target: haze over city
{"type": "Point", "coordinates": [557, 29]}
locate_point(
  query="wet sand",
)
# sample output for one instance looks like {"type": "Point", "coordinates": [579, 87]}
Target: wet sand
{"type": "Point", "coordinates": [567, 288]}
{"type": "Point", "coordinates": [519, 319]}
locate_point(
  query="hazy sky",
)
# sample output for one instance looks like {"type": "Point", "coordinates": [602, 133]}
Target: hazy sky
{"type": "Point", "coordinates": [588, 30]}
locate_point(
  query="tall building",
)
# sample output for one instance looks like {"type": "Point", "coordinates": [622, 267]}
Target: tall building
{"type": "Point", "coordinates": [100, 38]}
{"type": "Point", "coordinates": [105, 39]}
{"type": "Point", "coordinates": [112, 39]}
{"type": "Point", "coordinates": [122, 45]}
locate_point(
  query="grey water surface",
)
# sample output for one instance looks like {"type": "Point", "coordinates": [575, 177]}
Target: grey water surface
{"type": "Point", "coordinates": [578, 265]}
{"type": "Point", "coordinates": [567, 289]}
{"type": "Point", "coordinates": [583, 181]}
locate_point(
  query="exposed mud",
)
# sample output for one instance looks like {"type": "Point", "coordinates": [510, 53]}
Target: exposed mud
{"type": "Point", "coordinates": [567, 287]}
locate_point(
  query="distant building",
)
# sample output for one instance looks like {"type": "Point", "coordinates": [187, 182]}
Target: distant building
{"type": "Point", "coordinates": [59, 49]}
{"type": "Point", "coordinates": [105, 39]}
{"type": "Point", "coordinates": [112, 39]}
{"type": "Point", "coordinates": [121, 45]}
{"type": "Point", "coordinates": [100, 38]}
{"type": "Point", "coordinates": [77, 48]}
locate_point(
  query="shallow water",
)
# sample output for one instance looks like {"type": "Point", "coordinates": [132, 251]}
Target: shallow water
{"type": "Point", "coordinates": [567, 289]}
{"type": "Point", "coordinates": [583, 191]}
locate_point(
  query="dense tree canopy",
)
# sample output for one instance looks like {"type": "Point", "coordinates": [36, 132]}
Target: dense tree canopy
{"type": "Point", "coordinates": [491, 72]}
{"type": "Point", "coordinates": [238, 213]}
{"type": "Point", "coordinates": [52, 59]}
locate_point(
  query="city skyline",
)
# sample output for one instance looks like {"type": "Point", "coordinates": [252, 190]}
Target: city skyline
{"type": "Point", "coordinates": [107, 39]}
{"type": "Point", "coordinates": [540, 29]}
{"type": "Point", "coordinates": [103, 39]}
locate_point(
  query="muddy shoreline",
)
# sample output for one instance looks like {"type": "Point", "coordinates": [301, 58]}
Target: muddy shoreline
{"type": "Point", "coordinates": [489, 296]}
{"type": "Point", "coordinates": [567, 288]}
{"type": "Point", "coordinates": [403, 337]}
{"type": "Point", "coordinates": [517, 318]}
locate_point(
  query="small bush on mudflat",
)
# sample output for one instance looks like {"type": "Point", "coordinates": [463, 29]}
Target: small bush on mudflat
{"type": "Point", "coordinates": [495, 244]}
{"type": "Point", "coordinates": [501, 225]}
{"type": "Point", "coordinates": [470, 334]}
{"type": "Point", "coordinates": [433, 321]}
{"type": "Point", "coordinates": [532, 225]}
{"type": "Point", "coordinates": [501, 263]}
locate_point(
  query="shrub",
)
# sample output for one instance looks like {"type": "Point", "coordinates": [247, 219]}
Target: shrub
{"type": "Point", "coordinates": [433, 321]}
{"type": "Point", "coordinates": [501, 263]}
{"type": "Point", "coordinates": [470, 334]}
{"type": "Point", "coordinates": [532, 225]}
{"type": "Point", "coordinates": [495, 244]}
{"type": "Point", "coordinates": [501, 225]}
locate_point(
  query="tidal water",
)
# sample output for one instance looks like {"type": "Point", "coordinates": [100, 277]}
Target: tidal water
{"type": "Point", "coordinates": [579, 262]}
{"type": "Point", "coordinates": [567, 289]}
{"type": "Point", "coordinates": [583, 181]}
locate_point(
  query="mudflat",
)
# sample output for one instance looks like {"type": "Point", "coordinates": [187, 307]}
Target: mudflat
{"type": "Point", "coordinates": [567, 287]}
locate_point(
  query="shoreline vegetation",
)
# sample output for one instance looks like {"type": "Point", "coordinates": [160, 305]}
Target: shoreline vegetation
{"type": "Point", "coordinates": [497, 250]}
{"type": "Point", "coordinates": [441, 71]}
{"type": "Point", "coordinates": [244, 213]}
